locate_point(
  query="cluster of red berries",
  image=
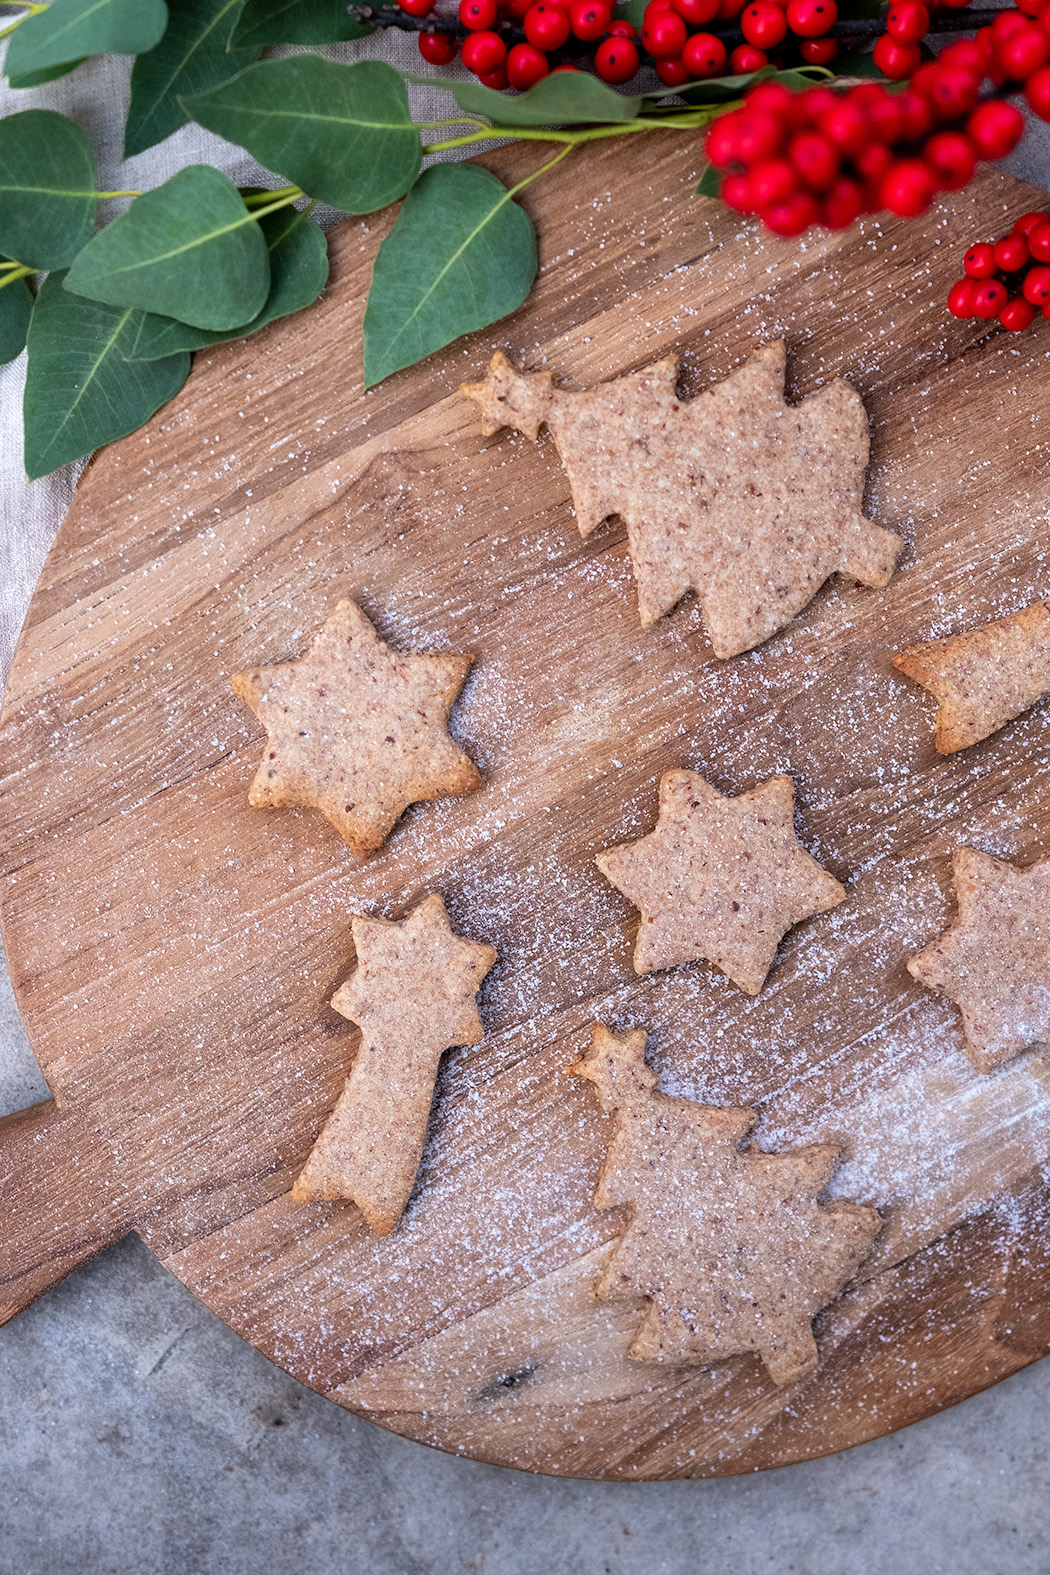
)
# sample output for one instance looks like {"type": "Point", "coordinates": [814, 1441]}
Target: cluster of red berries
{"type": "Point", "coordinates": [1008, 278]}
{"type": "Point", "coordinates": [682, 55]}
{"type": "Point", "coordinates": [548, 25]}
{"type": "Point", "coordinates": [825, 157]}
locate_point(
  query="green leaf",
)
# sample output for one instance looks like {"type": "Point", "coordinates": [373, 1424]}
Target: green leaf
{"type": "Point", "coordinates": [632, 11]}
{"type": "Point", "coordinates": [73, 29]}
{"type": "Point", "coordinates": [857, 63]}
{"type": "Point", "coordinates": [565, 98]}
{"type": "Point", "coordinates": [342, 133]}
{"type": "Point", "coordinates": [710, 183]}
{"type": "Point", "coordinates": [461, 255]}
{"type": "Point", "coordinates": [16, 305]}
{"type": "Point", "coordinates": [298, 274]}
{"type": "Point", "coordinates": [80, 390]}
{"type": "Point", "coordinates": [31, 79]}
{"type": "Point", "coordinates": [296, 22]}
{"type": "Point", "coordinates": [719, 90]}
{"type": "Point", "coordinates": [188, 249]}
{"type": "Point", "coordinates": [47, 188]}
{"type": "Point", "coordinates": [194, 55]}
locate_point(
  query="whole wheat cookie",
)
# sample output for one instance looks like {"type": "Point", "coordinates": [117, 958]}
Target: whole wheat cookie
{"type": "Point", "coordinates": [748, 501]}
{"type": "Point", "coordinates": [729, 1244]}
{"type": "Point", "coordinates": [357, 730]}
{"type": "Point", "coordinates": [994, 961]}
{"type": "Point", "coordinates": [719, 878]}
{"type": "Point", "coordinates": [413, 996]}
{"type": "Point", "coordinates": [983, 679]}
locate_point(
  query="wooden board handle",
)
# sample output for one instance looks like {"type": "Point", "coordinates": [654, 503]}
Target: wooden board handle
{"type": "Point", "coordinates": [59, 1205]}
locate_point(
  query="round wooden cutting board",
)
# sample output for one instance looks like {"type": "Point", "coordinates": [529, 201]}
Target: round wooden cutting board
{"type": "Point", "coordinates": [174, 950]}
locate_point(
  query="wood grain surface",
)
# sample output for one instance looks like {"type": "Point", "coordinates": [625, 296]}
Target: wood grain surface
{"type": "Point", "coordinates": [174, 951]}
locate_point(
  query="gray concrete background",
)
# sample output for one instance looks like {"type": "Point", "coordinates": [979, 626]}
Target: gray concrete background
{"type": "Point", "coordinates": [140, 1436]}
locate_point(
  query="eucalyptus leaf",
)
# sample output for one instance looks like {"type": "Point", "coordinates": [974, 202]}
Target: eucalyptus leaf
{"type": "Point", "coordinates": [719, 90]}
{"type": "Point", "coordinates": [31, 79]}
{"type": "Point", "coordinates": [298, 274]}
{"type": "Point", "coordinates": [266, 22]}
{"type": "Point", "coordinates": [461, 255]}
{"type": "Point", "coordinates": [47, 188]}
{"type": "Point", "coordinates": [342, 133]}
{"type": "Point", "coordinates": [70, 30]}
{"type": "Point", "coordinates": [710, 183]}
{"type": "Point", "coordinates": [16, 305]}
{"type": "Point", "coordinates": [188, 249]}
{"type": "Point", "coordinates": [81, 392]}
{"type": "Point", "coordinates": [194, 55]}
{"type": "Point", "coordinates": [565, 98]}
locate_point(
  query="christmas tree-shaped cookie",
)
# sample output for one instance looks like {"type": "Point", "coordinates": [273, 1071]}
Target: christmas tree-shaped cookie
{"type": "Point", "coordinates": [749, 501]}
{"type": "Point", "coordinates": [729, 1244]}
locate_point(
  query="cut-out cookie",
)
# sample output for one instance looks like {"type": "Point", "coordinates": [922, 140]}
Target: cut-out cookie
{"type": "Point", "coordinates": [720, 878]}
{"type": "Point", "coordinates": [748, 501]}
{"type": "Point", "coordinates": [994, 961]}
{"type": "Point", "coordinates": [357, 730]}
{"type": "Point", "coordinates": [983, 679]}
{"type": "Point", "coordinates": [730, 1245]}
{"type": "Point", "coordinates": [412, 996]}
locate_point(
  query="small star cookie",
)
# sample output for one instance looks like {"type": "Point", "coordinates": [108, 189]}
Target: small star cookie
{"type": "Point", "coordinates": [357, 730]}
{"type": "Point", "coordinates": [994, 961]}
{"type": "Point", "coordinates": [983, 679]}
{"type": "Point", "coordinates": [413, 997]}
{"type": "Point", "coordinates": [749, 501]}
{"type": "Point", "coordinates": [719, 878]}
{"type": "Point", "coordinates": [729, 1245]}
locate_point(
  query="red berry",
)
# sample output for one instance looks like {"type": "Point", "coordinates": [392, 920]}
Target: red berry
{"type": "Point", "coordinates": [772, 98]}
{"type": "Point", "coordinates": [498, 80]}
{"type": "Point", "coordinates": [874, 162]}
{"type": "Point", "coordinates": [763, 24]}
{"type": "Point", "coordinates": [819, 51]}
{"type": "Point", "coordinates": [720, 142]}
{"type": "Point", "coordinates": [884, 120]}
{"type": "Point", "coordinates": [746, 58]}
{"type": "Point", "coordinates": [1029, 222]}
{"type": "Point", "coordinates": [1030, 7]}
{"type": "Point", "coordinates": [908, 21]}
{"type": "Point", "coordinates": [1036, 285]}
{"type": "Point", "coordinates": [1011, 253]}
{"type": "Point", "coordinates": [842, 204]}
{"type": "Point", "coordinates": [989, 298]}
{"type": "Point", "coordinates": [437, 49]}
{"type": "Point", "coordinates": [811, 18]}
{"type": "Point", "coordinates": [618, 29]}
{"type": "Point", "coordinates": [961, 297]}
{"type": "Point", "coordinates": [773, 182]}
{"type": "Point", "coordinates": [908, 189]}
{"type": "Point", "coordinates": [1039, 242]}
{"type": "Point", "coordinates": [416, 7]}
{"type": "Point", "coordinates": [590, 19]}
{"type": "Point", "coordinates": [845, 125]}
{"type": "Point", "coordinates": [477, 14]}
{"type": "Point", "coordinates": [704, 55]}
{"type": "Point", "coordinates": [814, 158]}
{"type": "Point", "coordinates": [728, 9]}
{"type": "Point", "coordinates": [968, 54]}
{"type": "Point", "coordinates": [952, 91]}
{"type": "Point", "coordinates": [664, 35]}
{"type": "Point", "coordinates": [951, 157]}
{"type": "Point", "coordinates": [698, 12]}
{"type": "Point", "coordinates": [952, 5]}
{"type": "Point", "coordinates": [914, 115]}
{"type": "Point", "coordinates": [1007, 24]}
{"type": "Point", "coordinates": [894, 60]}
{"type": "Point", "coordinates": [672, 73]}
{"type": "Point", "coordinates": [516, 8]}
{"type": "Point", "coordinates": [995, 128]}
{"type": "Point", "coordinates": [1037, 92]}
{"type": "Point", "coordinates": [791, 217]}
{"type": "Point", "coordinates": [758, 138]}
{"type": "Point", "coordinates": [546, 25]}
{"type": "Point", "coordinates": [526, 65]}
{"type": "Point", "coordinates": [1017, 315]}
{"type": "Point", "coordinates": [617, 59]}
{"type": "Point", "coordinates": [483, 52]}
{"type": "Point", "coordinates": [736, 194]}
{"type": "Point", "coordinates": [979, 261]}
{"type": "Point", "coordinates": [1025, 52]}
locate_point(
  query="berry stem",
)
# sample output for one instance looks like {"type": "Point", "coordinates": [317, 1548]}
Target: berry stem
{"type": "Point", "coordinates": [690, 120]}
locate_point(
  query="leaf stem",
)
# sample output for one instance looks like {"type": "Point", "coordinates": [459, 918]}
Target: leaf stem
{"type": "Point", "coordinates": [690, 120]}
{"type": "Point", "coordinates": [280, 196]}
{"type": "Point", "coordinates": [19, 271]}
{"type": "Point", "coordinates": [285, 199]}
{"type": "Point", "coordinates": [30, 9]}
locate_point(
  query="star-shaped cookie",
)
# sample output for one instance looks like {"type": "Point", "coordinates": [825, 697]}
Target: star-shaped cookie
{"type": "Point", "coordinates": [357, 730]}
{"type": "Point", "coordinates": [994, 961]}
{"type": "Point", "coordinates": [412, 996]}
{"type": "Point", "coordinates": [983, 679]}
{"type": "Point", "coordinates": [729, 1244]}
{"type": "Point", "coordinates": [749, 501]}
{"type": "Point", "coordinates": [721, 878]}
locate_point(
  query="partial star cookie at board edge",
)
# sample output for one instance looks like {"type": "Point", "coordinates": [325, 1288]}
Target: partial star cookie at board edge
{"type": "Point", "coordinates": [748, 501]}
{"type": "Point", "coordinates": [719, 878]}
{"type": "Point", "coordinates": [994, 961]}
{"type": "Point", "coordinates": [983, 679]}
{"type": "Point", "coordinates": [412, 995]}
{"type": "Point", "coordinates": [729, 1246]}
{"type": "Point", "coordinates": [357, 730]}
